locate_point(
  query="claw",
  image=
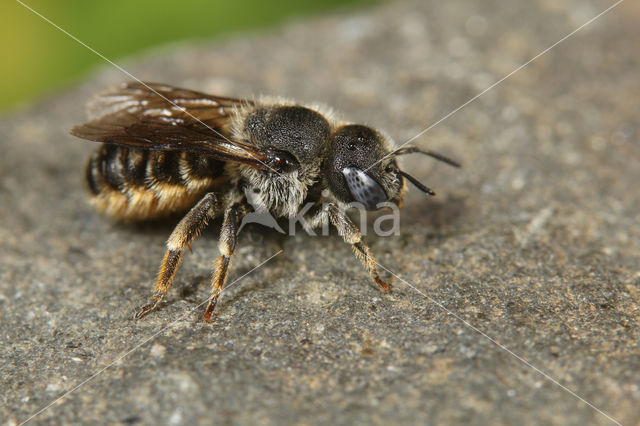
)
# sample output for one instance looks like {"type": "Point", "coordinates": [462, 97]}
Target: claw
{"type": "Point", "coordinates": [149, 306]}
{"type": "Point", "coordinates": [210, 307]}
{"type": "Point", "coordinates": [384, 287]}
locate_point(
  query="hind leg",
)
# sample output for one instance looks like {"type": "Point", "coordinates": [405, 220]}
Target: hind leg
{"type": "Point", "coordinates": [184, 233]}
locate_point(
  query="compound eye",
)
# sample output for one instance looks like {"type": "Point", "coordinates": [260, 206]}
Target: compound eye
{"type": "Point", "coordinates": [364, 188]}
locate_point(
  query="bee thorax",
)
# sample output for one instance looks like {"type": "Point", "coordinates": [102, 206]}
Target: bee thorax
{"type": "Point", "coordinates": [280, 194]}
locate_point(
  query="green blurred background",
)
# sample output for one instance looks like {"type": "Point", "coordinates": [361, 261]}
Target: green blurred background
{"type": "Point", "coordinates": [37, 57]}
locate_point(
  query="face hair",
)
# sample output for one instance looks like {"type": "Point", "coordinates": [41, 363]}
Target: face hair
{"type": "Point", "coordinates": [415, 149]}
{"type": "Point", "coordinates": [416, 182]}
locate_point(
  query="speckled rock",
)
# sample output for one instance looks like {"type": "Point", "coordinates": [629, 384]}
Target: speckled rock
{"type": "Point", "coordinates": [533, 245]}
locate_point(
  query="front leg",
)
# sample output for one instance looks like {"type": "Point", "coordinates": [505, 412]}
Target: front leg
{"type": "Point", "coordinates": [351, 235]}
{"type": "Point", "coordinates": [227, 246]}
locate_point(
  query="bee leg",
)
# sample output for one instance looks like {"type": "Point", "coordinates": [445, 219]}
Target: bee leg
{"type": "Point", "coordinates": [227, 245]}
{"type": "Point", "coordinates": [184, 233]}
{"type": "Point", "coordinates": [351, 234]}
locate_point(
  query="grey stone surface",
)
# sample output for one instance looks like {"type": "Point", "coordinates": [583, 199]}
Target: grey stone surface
{"type": "Point", "coordinates": [535, 242]}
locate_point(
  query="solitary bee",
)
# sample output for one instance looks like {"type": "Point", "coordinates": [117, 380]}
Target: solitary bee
{"type": "Point", "coordinates": [167, 150]}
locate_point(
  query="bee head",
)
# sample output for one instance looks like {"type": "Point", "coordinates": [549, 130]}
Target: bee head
{"type": "Point", "coordinates": [361, 168]}
{"type": "Point", "coordinates": [355, 172]}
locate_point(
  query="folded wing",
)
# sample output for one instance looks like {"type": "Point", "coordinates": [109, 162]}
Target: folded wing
{"type": "Point", "coordinates": [166, 118]}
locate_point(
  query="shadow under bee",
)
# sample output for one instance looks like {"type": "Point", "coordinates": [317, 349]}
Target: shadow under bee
{"type": "Point", "coordinates": [435, 213]}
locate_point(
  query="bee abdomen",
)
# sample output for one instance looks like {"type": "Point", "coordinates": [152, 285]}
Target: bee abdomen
{"type": "Point", "coordinates": [134, 184]}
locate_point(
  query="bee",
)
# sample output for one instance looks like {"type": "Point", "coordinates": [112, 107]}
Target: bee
{"type": "Point", "coordinates": [166, 150]}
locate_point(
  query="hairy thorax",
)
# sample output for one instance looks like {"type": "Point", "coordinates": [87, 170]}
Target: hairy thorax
{"type": "Point", "coordinates": [281, 194]}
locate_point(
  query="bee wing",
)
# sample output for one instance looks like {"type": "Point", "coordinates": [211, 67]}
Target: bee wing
{"type": "Point", "coordinates": [166, 118]}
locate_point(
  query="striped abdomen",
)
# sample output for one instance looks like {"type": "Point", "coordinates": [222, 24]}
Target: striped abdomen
{"type": "Point", "coordinates": [133, 184]}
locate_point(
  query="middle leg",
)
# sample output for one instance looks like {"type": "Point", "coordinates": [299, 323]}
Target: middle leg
{"type": "Point", "coordinates": [227, 246]}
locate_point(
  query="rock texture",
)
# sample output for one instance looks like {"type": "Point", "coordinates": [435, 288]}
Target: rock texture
{"type": "Point", "coordinates": [533, 245]}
